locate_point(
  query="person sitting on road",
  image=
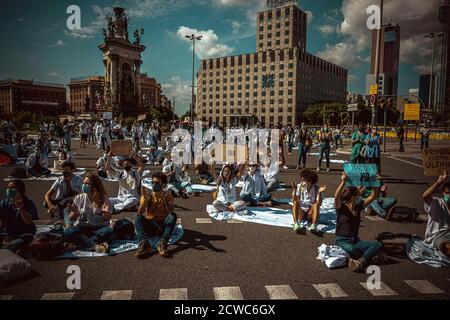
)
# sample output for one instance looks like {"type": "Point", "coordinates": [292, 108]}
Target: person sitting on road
{"type": "Point", "coordinates": [437, 233]}
{"type": "Point", "coordinates": [226, 199]}
{"type": "Point", "coordinates": [382, 205]}
{"type": "Point", "coordinates": [203, 173]}
{"type": "Point", "coordinates": [101, 164]}
{"type": "Point", "coordinates": [90, 213]}
{"type": "Point", "coordinates": [63, 190]}
{"type": "Point", "coordinates": [307, 199]}
{"type": "Point", "coordinates": [254, 191]}
{"type": "Point", "coordinates": [129, 183]}
{"type": "Point", "coordinates": [155, 217]}
{"type": "Point", "coordinates": [178, 181]}
{"type": "Point", "coordinates": [37, 163]}
{"type": "Point", "coordinates": [349, 204]}
{"type": "Point", "coordinates": [154, 155]}
{"type": "Point", "coordinates": [17, 213]}
{"type": "Point", "coordinates": [271, 174]}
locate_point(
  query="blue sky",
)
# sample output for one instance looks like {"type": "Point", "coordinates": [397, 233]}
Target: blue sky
{"type": "Point", "coordinates": [37, 44]}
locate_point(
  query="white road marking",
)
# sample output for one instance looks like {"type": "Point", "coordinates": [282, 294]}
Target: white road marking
{"type": "Point", "coordinates": [374, 218]}
{"type": "Point", "coordinates": [58, 296]}
{"type": "Point", "coordinates": [423, 286]}
{"type": "Point", "coordinates": [173, 294]}
{"type": "Point", "coordinates": [283, 292]}
{"type": "Point", "coordinates": [203, 220]}
{"type": "Point", "coordinates": [228, 293]}
{"type": "Point", "coordinates": [234, 221]}
{"type": "Point", "coordinates": [7, 297]}
{"type": "Point", "coordinates": [406, 161]}
{"type": "Point", "coordinates": [383, 291]}
{"type": "Point", "coordinates": [117, 295]}
{"type": "Point", "coordinates": [179, 221]}
{"type": "Point", "coordinates": [330, 290]}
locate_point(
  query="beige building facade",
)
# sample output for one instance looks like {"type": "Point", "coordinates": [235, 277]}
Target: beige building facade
{"type": "Point", "coordinates": [273, 85]}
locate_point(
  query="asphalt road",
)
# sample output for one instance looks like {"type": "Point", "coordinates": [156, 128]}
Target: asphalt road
{"type": "Point", "coordinates": [244, 255]}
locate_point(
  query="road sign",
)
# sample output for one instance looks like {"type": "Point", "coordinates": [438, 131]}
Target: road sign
{"type": "Point", "coordinates": [373, 100]}
{"type": "Point", "coordinates": [373, 89]}
{"type": "Point", "coordinates": [412, 112]}
{"type": "Point", "coordinates": [353, 107]}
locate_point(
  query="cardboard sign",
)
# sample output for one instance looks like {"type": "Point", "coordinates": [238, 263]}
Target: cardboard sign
{"type": "Point", "coordinates": [436, 161]}
{"type": "Point", "coordinates": [142, 117]}
{"type": "Point", "coordinates": [121, 147]}
{"type": "Point", "coordinates": [411, 112]}
{"type": "Point", "coordinates": [361, 175]}
{"type": "Point", "coordinates": [107, 115]}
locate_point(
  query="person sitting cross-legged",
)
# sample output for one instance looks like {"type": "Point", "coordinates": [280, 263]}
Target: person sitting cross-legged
{"type": "Point", "coordinates": [307, 199]}
{"type": "Point", "coordinates": [226, 199]}
{"type": "Point", "coordinates": [254, 191]}
{"type": "Point", "coordinates": [90, 214]}
{"type": "Point", "coordinates": [349, 205]}
{"type": "Point", "coordinates": [155, 217]}
{"type": "Point", "coordinates": [129, 182]}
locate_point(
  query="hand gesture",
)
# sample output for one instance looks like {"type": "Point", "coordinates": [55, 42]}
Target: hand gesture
{"type": "Point", "coordinates": [19, 203]}
{"type": "Point", "coordinates": [442, 178]}
{"type": "Point", "coordinates": [322, 188]}
{"type": "Point", "coordinates": [145, 193]}
{"type": "Point", "coordinates": [105, 211]}
{"type": "Point", "coordinates": [344, 177]}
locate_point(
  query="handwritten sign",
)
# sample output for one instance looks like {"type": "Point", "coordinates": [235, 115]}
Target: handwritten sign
{"type": "Point", "coordinates": [436, 161]}
{"type": "Point", "coordinates": [361, 175]}
{"type": "Point", "coordinates": [142, 117]}
{"type": "Point", "coordinates": [121, 147]}
{"type": "Point", "coordinates": [107, 115]}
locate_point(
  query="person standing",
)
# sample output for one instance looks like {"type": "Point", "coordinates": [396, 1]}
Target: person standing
{"type": "Point", "coordinates": [401, 137]}
{"type": "Point", "coordinates": [424, 137]}
{"type": "Point", "coordinates": [373, 149]}
{"type": "Point", "coordinates": [325, 138]}
{"type": "Point", "coordinates": [358, 138]}
{"type": "Point", "coordinates": [304, 143]}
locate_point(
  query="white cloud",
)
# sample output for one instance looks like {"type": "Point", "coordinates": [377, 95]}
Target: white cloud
{"type": "Point", "coordinates": [327, 29]}
{"type": "Point", "coordinates": [209, 46]}
{"type": "Point", "coordinates": [181, 90]}
{"type": "Point", "coordinates": [235, 26]}
{"type": "Point", "coordinates": [20, 19]}
{"type": "Point", "coordinates": [59, 43]}
{"type": "Point", "coordinates": [54, 74]}
{"type": "Point", "coordinates": [310, 17]}
{"type": "Point", "coordinates": [415, 17]}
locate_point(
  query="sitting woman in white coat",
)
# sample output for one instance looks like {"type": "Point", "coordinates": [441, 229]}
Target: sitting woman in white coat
{"type": "Point", "coordinates": [226, 199]}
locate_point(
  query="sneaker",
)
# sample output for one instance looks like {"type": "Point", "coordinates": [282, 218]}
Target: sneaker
{"type": "Point", "coordinates": [162, 249]}
{"type": "Point", "coordinates": [296, 226]}
{"type": "Point", "coordinates": [144, 250]}
{"type": "Point", "coordinates": [285, 167]}
{"type": "Point", "coordinates": [356, 265]}
{"type": "Point", "coordinates": [328, 169]}
{"type": "Point", "coordinates": [101, 248]}
{"type": "Point", "coordinates": [312, 227]}
{"type": "Point", "coordinates": [318, 169]}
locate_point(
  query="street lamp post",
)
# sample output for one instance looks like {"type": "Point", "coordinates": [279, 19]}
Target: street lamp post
{"type": "Point", "coordinates": [433, 36]}
{"type": "Point", "coordinates": [192, 38]}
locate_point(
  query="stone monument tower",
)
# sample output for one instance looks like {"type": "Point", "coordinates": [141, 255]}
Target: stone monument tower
{"type": "Point", "coordinates": [122, 61]}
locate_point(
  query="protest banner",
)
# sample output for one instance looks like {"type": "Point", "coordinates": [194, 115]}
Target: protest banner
{"type": "Point", "coordinates": [435, 161]}
{"type": "Point", "coordinates": [361, 175]}
{"type": "Point", "coordinates": [107, 115]}
{"type": "Point", "coordinates": [121, 147]}
{"type": "Point", "coordinates": [142, 117]}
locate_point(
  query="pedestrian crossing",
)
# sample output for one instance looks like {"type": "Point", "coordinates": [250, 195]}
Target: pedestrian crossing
{"type": "Point", "coordinates": [272, 292]}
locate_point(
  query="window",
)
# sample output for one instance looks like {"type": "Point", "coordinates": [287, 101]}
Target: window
{"type": "Point", "coordinates": [261, 37]}
{"type": "Point", "coordinates": [272, 93]}
{"type": "Point", "coordinates": [286, 24]}
{"type": "Point", "coordinates": [291, 65]}
{"type": "Point", "coordinates": [269, 27]}
{"type": "Point", "coordinates": [278, 34]}
{"type": "Point", "coordinates": [291, 74]}
{"type": "Point", "coordinates": [261, 28]}
{"type": "Point", "coordinates": [269, 36]}
{"type": "Point", "coordinates": [269, 44]}
{"type": "Point", "coordinates": [260, 45]}
{"type": "Point", "coordinates": [277, 43]}
{"type": "Point", "coordinates": [280, 93]}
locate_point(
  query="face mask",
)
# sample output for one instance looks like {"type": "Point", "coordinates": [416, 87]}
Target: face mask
{"type": "Point", "coordinates": [157, 187]}
{"type": "Point", "coordinates": [11, 193]}
{"type": "Point", "coordinates": [85, 188]}
{"type": "Point", "coordinates": [66, 174]}
{"type": "Point", "coordinates": [127, 168]}
{"type": "Point", "coordinates": [447, 198]}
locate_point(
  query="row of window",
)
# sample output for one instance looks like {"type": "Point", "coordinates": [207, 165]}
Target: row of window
{"type": "Point", "coordinates": [277, 43]}
{"type": "Point", "coordinates": [278, 13]}
{"type": "Point", "coordinates": [247, 78]}
{"type": "Point", "coordinates": [247, 110]}
{"type": "Point", "coordinates": [255, 102]}
{"type": "Point", "coordinates": [239, 60]}
{"type": "Point", "coordinates": [247, 86]}
{"type": "Point", "coordinates": [277, 35]}
{"type": "Point", "coordinates": [236, 120]}
{"type": "Point", "coordinates": [247, 94]}
{"type": "Point", "coordinates": [247, 70]}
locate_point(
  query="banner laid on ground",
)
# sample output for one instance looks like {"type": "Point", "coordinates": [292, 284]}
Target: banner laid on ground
{"type": "Point", "coordinates": [361, 175]}
{"type": "Point", "coordinates": [436, 161]}
{"type": "Point", "coordinates": [121, 147]}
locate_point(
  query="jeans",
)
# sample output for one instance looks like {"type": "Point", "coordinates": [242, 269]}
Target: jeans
{"type": "Point", "coordinates": [272, 185]}
{"type": "Point", "coordinates": [424, 143]}
{"type": "Point", "coordinates": [324, 149]}
{"type": "Point", "coordinates": [177, 186]}
{"type": "Point", "coordinates": [381, 205]}
{"type": "Point", "coordinates": [146, 228]}
{"type": "Point", "coordinates": [104, 142]}
{"type": "Point", "coordinates": [402, 148]}
{"type": "Point", "coordinates": [254, 201]}
{"type": "Point", "coordinates": [302, 153]}
{"type": "Point", "coordinates": [85, 236]}
{"type": "Point", "coordinates": [290, 144]}
{"type": "Point", "coordinates": [357, 248]}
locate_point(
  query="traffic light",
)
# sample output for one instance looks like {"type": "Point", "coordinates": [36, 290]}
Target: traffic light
{"type": "Point", "coordinates": [391, 103]}
{"type": "Point", "coordinates": [382, 103]}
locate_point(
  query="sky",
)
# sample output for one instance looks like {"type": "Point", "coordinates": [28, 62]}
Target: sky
{"type": "Point", "coordinates": [36, 43]}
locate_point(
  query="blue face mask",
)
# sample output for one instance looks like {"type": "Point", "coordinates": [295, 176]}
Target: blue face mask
{"type": "Point", "coordinates": [11, 193]}
{"type": "Point", "coordinates": [86, 188]}
{"type": "Point", "coordinates": [447, 198]}
{"type": "Point", "coordinates": [157, 187]}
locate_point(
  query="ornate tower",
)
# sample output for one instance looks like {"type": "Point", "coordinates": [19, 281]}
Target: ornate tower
{"type": "Point", "coordinates": [122, 61]}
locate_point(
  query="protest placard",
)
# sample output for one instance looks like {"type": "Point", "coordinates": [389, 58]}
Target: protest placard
{"type": "Point", "coordinates": [361, 175]}
{"type": "Point", "coordinates": [435, 161]}
{"type": "Point", "coordinates": [142, 117]}
{"type": "Point", "coordinates": [107, 115]}
{"type": "Point", "coordinates": [121, 147]}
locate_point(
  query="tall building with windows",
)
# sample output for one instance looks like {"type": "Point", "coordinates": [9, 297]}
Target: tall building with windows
{"type": "Point", "coordinates": [275, 84]}
{"type": "Point", "coordinates": [86, 94]}
{"type": "Point", "coordinates": [389, 60]}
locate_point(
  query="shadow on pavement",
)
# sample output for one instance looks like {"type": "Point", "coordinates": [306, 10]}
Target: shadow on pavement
{"type": "Point", "coordinates": [198, 241]}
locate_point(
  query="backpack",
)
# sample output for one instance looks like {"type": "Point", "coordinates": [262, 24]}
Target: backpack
{"type": "Point", "coordinates": [47, 246]}
{"type": "Point", "coordinates": [19, 173]}
{"type": "Point", "coordinates": [124, 229]}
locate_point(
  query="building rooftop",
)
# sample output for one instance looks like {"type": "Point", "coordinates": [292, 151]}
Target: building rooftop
{"type": "Point", "coordinates": [31, 82]}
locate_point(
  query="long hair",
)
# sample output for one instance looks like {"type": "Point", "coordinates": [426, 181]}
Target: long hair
{"type": "Point", "coordinates": [98, 190]}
